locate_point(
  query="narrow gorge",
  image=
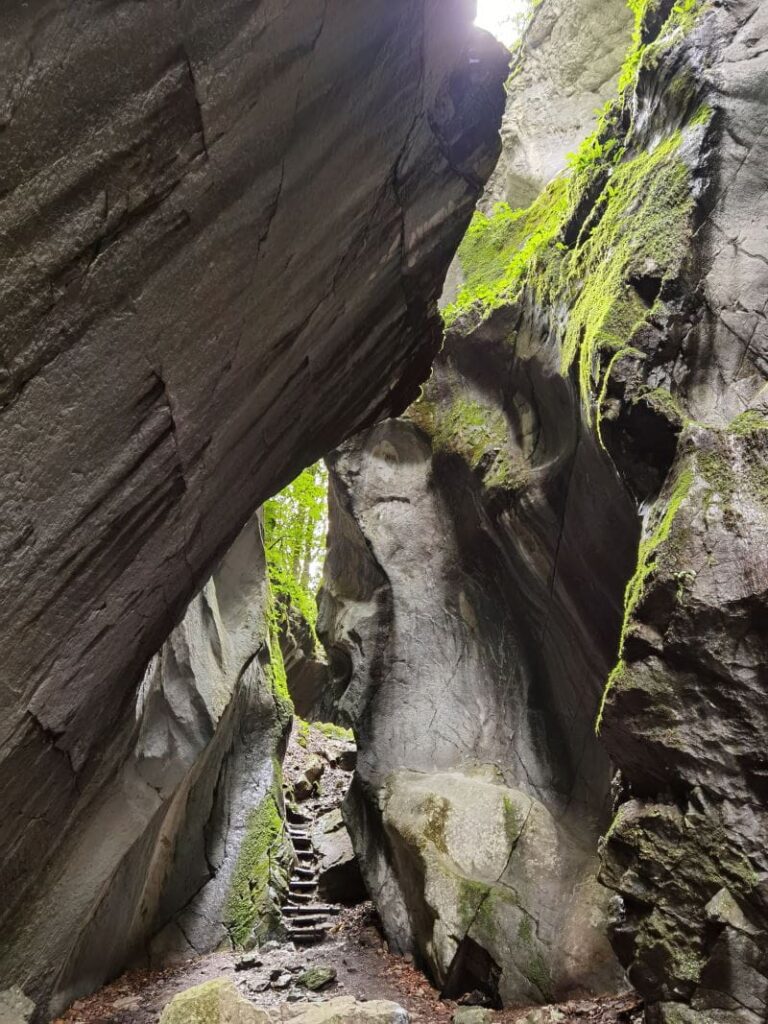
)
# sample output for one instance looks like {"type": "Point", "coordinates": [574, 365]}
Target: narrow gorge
{"type": "Point", "coordinates": [385, 492]}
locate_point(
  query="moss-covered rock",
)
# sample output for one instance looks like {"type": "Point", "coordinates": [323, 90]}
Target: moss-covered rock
{"type": "Point", "coordinates": [214, 1002]}
{"type": "Point", "coordinates": [260, 879]}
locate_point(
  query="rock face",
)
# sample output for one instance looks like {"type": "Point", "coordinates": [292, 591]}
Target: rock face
{"type": "Point", "coordinates": [156, 855]}
{"type": "Point", "coordinates": [305, 669]}
{"type": "Point", "coordinates": [564, 71]}
{"type": "Point", "coordinates": [456, 605]}
{"type": "Point", "coordinates": [339, 877]}
{"type": "Point", "coordinates": [640, 282]}
{"type": "Point", "coordinates": [604, 375]}
{"type": "Point", "coordinates": [215, 220]}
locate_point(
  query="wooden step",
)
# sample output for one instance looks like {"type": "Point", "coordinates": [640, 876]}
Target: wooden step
{"type": "Point", "coordinates": [306, 935]}
{"type": "Point", "coordinates": [310, 908]}
{"type": "Point", "coordinates": [303, 884]}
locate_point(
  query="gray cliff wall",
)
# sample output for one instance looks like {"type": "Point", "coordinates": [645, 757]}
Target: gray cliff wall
{"type": "Point", "coordinates": [215, 219]}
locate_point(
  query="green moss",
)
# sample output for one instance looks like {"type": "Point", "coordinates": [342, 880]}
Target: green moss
{"type": "Point", "coordinates": [250, 910]}
{"type": "Point", "coordinates": [747, 423]}
{"type": "Point", "coordinates": [477, 432]}
{"type": "Point", "coordinates": [647, 563]}
{"type": "Point", "coordinates": [539, 973]}
{"type": "Point", "coordinates": [210, 1003]}
{"type": "Point", "coordinates": [525, 930]}
{"type": "Point", "coordinates": [681, 20]}
{"type": "Point", "coordinates": [302, 733]}
{"type": "Point", "coordinates": [664, 403]}
{"type": "Point", "coordinates": [664, 938]}
{"type": "Point", "coordinates": [499, 253]}
{"type": "Point", "coordinates": [643, 232]}
{"type": "Point", "coordinates": [514, 822]}
{"type": "Point", "coordinates": [334, 732]}
{"type": "Point", "coordinates": [472, 895]}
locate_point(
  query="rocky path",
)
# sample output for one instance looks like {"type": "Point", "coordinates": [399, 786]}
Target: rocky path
{"type": "Point", "coordinates": [330, 949]}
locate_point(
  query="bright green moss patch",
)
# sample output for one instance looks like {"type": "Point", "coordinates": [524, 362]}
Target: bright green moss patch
{"type": "Point", "coordinates": [749, 422]}
{"type": "Point", "coordinates": [647, 563]}
{"type": "Point", "coordinates": [250, 911]}
{"type": "Point", "coordinates": [499, 252]}
{"type": "Point", "coordinates": [642, 236]}
{"type": "Point", "coordinates": [681, 19]}
{"type": "Point", "coordinates": [334, 732]}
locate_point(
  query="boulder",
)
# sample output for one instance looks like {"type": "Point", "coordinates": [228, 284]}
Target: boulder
{"type": "Point", "coordinates": [214, 1002]}
{"type": "Point", "coordinates": [343, 1010]}
{"type": "Point", "coordinates": [441, 682]}
{"type": "Point", "coordinates": [15, 1008]}
{"type": "Point", "coordinates": [496, 891]}
{"type": "Point", "coordinates": [316, 978]}
{"type": "Point", "coordinates": [472, 1015]}
{"type": "Point", "coordinates": [339, 877]}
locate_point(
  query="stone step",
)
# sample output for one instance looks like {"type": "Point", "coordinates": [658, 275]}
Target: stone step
{"type": "Point", "coordinates": [300, 873]}
{"type": "Point", "coordinates": [302, 885]}
{"type": "Point", "coordinates": [301, 897]}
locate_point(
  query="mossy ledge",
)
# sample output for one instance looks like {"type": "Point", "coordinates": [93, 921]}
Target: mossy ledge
{"type": "Point", "coordinates": [603, 242]}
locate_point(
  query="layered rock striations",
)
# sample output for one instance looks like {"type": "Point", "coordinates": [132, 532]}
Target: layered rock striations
{"type": "Point", "coordinates": [215, 221]}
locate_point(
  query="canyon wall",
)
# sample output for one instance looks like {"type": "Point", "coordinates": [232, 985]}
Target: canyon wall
{"type": "Point", "coordinates": [215, 220]}
{"type": "Point", "coordinates": [603, 380]}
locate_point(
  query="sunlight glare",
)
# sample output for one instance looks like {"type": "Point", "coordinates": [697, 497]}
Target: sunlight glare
{"type": "Point", "coordinates": [503, 18]}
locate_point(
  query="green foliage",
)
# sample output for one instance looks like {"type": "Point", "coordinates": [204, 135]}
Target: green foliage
{"type": "Point", "coordinates": [295, 523]}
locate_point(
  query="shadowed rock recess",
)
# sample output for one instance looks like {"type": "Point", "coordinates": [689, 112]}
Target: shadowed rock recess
{"type": "Point", "coordinates": [223, 227]}
{"type": "Point", "coordinates": [579, 496]}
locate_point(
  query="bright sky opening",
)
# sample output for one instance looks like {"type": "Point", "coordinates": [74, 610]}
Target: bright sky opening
{"type": "Point", "coordinates": [504, 18]}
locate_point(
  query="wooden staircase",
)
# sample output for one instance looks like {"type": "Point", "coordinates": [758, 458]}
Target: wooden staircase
{"type": "Point", "coordinates": [306, 920]}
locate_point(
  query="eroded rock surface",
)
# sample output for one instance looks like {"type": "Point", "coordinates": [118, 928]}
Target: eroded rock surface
{"type": "Point", "coordinates": [215, 220]}
{"type": "Point", "coordinates": [456, 608]}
